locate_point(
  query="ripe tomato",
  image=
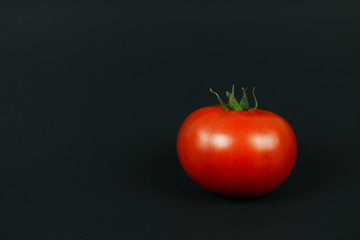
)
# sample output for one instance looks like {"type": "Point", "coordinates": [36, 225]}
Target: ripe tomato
{"type": "Point", "coordinates": [240, 153]}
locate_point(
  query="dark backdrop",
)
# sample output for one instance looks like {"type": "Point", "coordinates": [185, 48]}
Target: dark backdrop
{"type": "Point", "coordinates": [92, 95]}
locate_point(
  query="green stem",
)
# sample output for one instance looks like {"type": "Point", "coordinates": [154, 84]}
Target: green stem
{"type": "Point", "coordinates": [244, 103]}
{"type": "Point", "coordinates": [233, 103]}
{"type": "Point", "coordinates": [256, 103]}
{"type": "Point", "coordinates": [221, 102]}
{"type": "Point", "coordinates": [232, 100]}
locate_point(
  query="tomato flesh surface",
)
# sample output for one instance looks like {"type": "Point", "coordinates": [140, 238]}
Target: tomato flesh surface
{"type": "Point", "coordinates": [236, 153]}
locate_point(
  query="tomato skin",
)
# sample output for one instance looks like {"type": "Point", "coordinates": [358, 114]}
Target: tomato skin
{"type": "Point", "coordinates": [236, 153]}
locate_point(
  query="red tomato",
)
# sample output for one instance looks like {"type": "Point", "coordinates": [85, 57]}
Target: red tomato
{"type": "Point", "coordinates": [236, 153]}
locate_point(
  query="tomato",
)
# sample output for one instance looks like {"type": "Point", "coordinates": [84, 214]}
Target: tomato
{"type": "Point", "coordinates": [239, 153]}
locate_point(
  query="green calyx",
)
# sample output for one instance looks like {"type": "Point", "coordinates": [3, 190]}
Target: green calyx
{"type": "Point", "coordinates": [233, 104]}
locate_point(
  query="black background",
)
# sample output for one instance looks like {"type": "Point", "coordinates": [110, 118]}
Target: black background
{"type": "Point", "coordinates": [92, 95]}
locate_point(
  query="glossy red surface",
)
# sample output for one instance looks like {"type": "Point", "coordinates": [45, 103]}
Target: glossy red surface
{"type": "Point", "coordinates": [237, 153]}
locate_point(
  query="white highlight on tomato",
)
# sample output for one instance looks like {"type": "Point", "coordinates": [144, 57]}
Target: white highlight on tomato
{"type": "Point", "coordinates": [214, 140]}
{"type": "Point", "coordinates": [264, 141]}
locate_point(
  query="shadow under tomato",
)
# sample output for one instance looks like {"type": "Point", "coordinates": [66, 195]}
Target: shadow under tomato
{"type": "Point", "coordinates": [161, 174]}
